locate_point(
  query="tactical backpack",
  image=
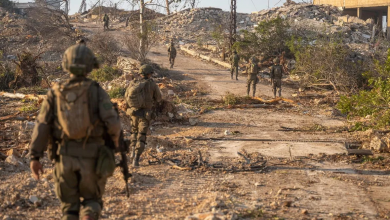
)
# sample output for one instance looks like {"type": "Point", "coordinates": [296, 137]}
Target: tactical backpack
{"type": "Point", "coordinates": [253, 68]}
{"type": "Point", "coordinates": [235, 59]}
{"type": "Point", "coordinates": [135, 94]}
{"type": "Point", "coordinates": [73, 110]}
{"type": "Point", "coordinates": [277, 72]}
{"type": "Point", "coordinates": [172, 51]}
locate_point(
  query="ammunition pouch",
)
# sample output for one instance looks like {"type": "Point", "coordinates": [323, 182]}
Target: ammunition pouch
{"type": "Point", "coordinates": [105, 165]}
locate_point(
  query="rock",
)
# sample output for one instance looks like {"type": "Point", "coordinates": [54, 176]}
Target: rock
{"type": "Point", "coordinates": [287, 203]}
{"type": "Point", "coordinates": [33, 199]}
{"type": "Point", "coordinates": [171, 115]}
{"type": "Point", "coordinates": [304, 212]}
{"type": "Point", "coordinates": [170, 92]}
{"type": "Point", "coordinates": [7, 217]}
{"type": "Point", "coordinates": [193, 121]}
{"type": "Point", "coordinates": [12, 159]}
{"type": "Point", "coordinates": [378, 144]}
{"type": "Point", "coordinates": [227, 132]}
{"type": "Point", "coordinates": [13, 152]}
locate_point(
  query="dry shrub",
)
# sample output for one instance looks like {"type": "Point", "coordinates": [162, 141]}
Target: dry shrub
{"type": "Point", "coordinates": [132, 41]}
{"type": "Point", "coordinates": [105, 48]}
{"type": "Point", "coordinates": [52, 27]}
{"type": "Point", "coordinates": [329, 62]}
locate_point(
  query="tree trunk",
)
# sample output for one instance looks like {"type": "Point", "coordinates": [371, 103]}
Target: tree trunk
{"type": "Point", "coordinates": [142, 30]}
{"type": "Point", "coordinates": [167, 3]}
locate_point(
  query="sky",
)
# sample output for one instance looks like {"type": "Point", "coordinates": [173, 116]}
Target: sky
{"type": "Point", "coordinates": [243, 6]}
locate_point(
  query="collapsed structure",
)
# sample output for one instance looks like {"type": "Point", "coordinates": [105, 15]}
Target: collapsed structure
{"type": "Point", "coordinates": [378, 10]}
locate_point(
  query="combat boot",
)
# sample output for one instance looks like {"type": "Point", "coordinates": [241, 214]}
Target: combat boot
{"type": "Point", "coordinates": [136, 160]}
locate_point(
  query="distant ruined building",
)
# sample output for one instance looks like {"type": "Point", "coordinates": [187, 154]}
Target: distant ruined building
{"type": "Point", "coordinates": [364, 9]}
{"type": "Point", "coordinates": [52, 4]}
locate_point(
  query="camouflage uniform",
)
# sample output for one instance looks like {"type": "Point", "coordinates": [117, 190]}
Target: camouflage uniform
{"type": "Point", "coordinates": [75, 162]}
{"type": "Point", "coordinates": [140, 118]}
{"type": "Point", "coordinates": [252, 76]}
{"type": "Point", "coordinates": [172, 54]}
{"type": "Point", "coordinates": [234, 62]}
{"type": "Point", "coordinates": [106, 19]}
{"type": "Point", "coordinates": [276, 77]}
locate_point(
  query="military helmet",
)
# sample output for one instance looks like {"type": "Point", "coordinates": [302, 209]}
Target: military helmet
{"type": "Point", "coordinates": [276, 60]}
{"type": "Point", "coordinates": [145, 70]}
{"type": "Point", "coordinates": [79, 60]}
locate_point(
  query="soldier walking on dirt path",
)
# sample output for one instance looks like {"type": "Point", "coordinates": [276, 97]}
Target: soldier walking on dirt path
{"type": "Point", "coordinates": [106, 20]}
{"type": "Point", "coordinates": [276, 77]}
{"type": "Point", "coordinates": [75, 116]}
{"type": "Point", "coordinates": [234, 62]}
{"type": "Point", "coordinates": [253, 70]}
{"type": "Point", "coordinates": [172, 54]}
{"type": "Point", "coordinates": [140, 96]}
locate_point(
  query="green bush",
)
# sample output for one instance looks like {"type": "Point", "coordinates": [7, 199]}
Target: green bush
{"type": "Point", "coordinates": [374, 103]}
{"type": "Point", "coordinates": [117, 92]}
{"type": "Point", "coordinates": [270, 37]}
{"type": "Point", "coordinates": [106, 73]}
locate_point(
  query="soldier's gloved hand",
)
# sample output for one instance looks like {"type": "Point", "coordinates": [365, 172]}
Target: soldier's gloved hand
{"type": "Point", "coordinates": [35, 167]}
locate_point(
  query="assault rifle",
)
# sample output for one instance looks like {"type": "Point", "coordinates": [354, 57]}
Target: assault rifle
{"type": "Point", "coordinates": [123, 148]}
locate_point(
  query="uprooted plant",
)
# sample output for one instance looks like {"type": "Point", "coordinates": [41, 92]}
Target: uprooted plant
{"type": "Point", "coordinates": [327, 62]}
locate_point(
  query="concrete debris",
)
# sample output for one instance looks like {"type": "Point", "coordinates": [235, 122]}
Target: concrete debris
{"type": "Point", "coordinates": [189, 25]}
{"type": "Point", "coordinates": [193, 121]}
{"type": "Point", "coordinates": [33, 199]}
{"type": "Point", "coordinates": [320, 19]}
{"type": "Point", "coordinates": [12, 159]}
{"type": "Point", "coordinates": [378, 144]}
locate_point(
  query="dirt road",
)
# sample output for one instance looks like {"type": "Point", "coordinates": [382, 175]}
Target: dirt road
{"type": "Point", "coordinates": [300, 181]}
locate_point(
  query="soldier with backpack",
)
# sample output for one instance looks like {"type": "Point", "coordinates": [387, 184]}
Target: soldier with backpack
{"type": "Point", "coordinates": [106, 20]}
{"type": "Point", "coordinates": [75, 117]}
{"type": "Point", "coordinates": [276, 77]}
{"type": "Point", "coordinates": [234, 62]}
{"type": "Point", "coordinates": [140, 96]}
{"type": "Point", "coordinates": [172, 54]}
{"type": "Point", "coordinates": [253, 70]}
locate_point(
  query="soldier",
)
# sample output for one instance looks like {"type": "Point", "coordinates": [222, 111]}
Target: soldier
{"type": "Point", "coordinates": [106, 19]}
{"type": "Point", "coordinates": [140, 97]}
{"type": "Point", "coordinates": [172, 54]}
{"type": "Point", "coordinates": [234, 62]}
{"type": "Point", "coordinates": [253, 70]}
{"type": "Point", "coordinates": [276, 77]}
{"type": "Point", "coordinates": [75, 116]}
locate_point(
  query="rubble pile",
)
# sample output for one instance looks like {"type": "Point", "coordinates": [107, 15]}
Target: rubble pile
{"type": "Point", "coordinates": [190, 24]}
{"type": "Point", "coordinates": [320, 20]}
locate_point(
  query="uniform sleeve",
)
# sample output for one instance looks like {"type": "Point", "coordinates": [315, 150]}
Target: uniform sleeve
{"type": "Point", "coordinates": [43, 127]}
{"type": "Point", "coordinates": [169, 49]}
{"type": "Point", "coordinates": [157, 97]}
{"type": "Point", "coordinates": [109, 116]}
{"type": "Point", "coordinates": [272, 72]}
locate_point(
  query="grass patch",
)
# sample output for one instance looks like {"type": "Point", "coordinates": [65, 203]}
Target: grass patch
{"type": "Point", "coordinates": [106, 73]}
{"type": "Point", "coordinates": [230, 99]}
{"type": "Point", "coordinates": [256, 213]}
{"type": "Point", "coordinates": [117, 92]}
{"type": "Point", "coordinates": [29, 106]}
{"type": "Point", "coordinates": [370, 159]}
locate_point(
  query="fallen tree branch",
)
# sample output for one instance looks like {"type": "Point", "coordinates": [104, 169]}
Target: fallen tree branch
{"type": "Point", "coordinates": [22, 96]}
